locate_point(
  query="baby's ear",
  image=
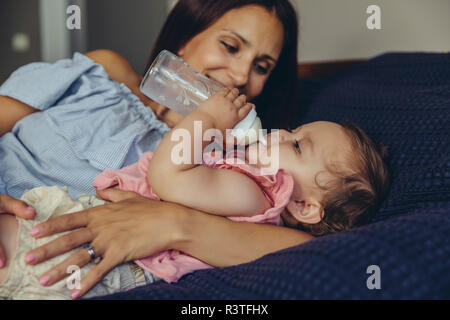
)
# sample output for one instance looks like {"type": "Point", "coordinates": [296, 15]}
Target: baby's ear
{"type": "Point", "coordinates": [308, 211]}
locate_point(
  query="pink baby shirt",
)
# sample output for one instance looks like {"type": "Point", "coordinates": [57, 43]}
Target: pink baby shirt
{"type": "Point", "coordinates": [173, 264]}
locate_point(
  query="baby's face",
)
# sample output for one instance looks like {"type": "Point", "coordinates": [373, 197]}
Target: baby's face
{"type": "Point", "coordinates": [304, 153]}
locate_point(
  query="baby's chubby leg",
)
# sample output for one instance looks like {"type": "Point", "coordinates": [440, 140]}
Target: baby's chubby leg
{"type": "Point", "coordinates": [8, 239]}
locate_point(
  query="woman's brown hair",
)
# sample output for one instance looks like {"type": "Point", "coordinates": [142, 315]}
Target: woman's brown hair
{"type": "Point", "coordinates": [190, 17]}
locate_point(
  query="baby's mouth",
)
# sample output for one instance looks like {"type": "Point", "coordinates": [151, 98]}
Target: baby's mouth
{"type": "Point", "coordinates": [256, 144]}
{"type": "Point", "coordinates": [254, 147]}
{"type": "Point", "coordinates": [251, 144]}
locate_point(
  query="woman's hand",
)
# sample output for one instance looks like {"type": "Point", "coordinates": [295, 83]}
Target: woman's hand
{"type": "Point", "coordinates": [130, 228]}
{"type": "Point", "coordinates": [134, 227]}
{"type": "Point", "coordinates": [16, 207]}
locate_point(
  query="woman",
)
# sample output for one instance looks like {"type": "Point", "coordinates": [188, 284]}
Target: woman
{"type": "Point", "coordinates": [251, 45]}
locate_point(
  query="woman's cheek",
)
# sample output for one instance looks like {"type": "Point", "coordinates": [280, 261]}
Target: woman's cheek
{"type": "Point", "coordinates": [214, 59]}
{"type": "Point", "coordinates": [206, 61]}
{"type": "Point", "coordinates": [256, 89]}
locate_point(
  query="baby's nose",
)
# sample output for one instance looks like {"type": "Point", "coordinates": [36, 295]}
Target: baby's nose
{"type": "Point", "coordinates": [283, 134]}
{"type": "Point", "coordinates": [277, 136]}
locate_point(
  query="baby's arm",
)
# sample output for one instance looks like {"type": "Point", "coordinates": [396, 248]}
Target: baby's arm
{"type": "Point", "coordinates": [221, 192]}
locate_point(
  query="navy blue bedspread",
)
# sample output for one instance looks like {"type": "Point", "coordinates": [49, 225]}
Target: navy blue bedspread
{"type": "Point", "coordinates": [403, 101]}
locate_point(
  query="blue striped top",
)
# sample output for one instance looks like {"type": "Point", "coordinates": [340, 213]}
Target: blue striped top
{"type": "Point", "coordinates": [87, 123]}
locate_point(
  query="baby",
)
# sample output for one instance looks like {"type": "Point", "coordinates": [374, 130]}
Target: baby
{"type": "Point", "coordinates": [330, 178]}
{"type": "Point", "coordinates": [337, 173]}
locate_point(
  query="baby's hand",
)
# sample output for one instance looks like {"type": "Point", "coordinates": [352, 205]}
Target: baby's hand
{"type": "Point", "coordinates": [226, 108]}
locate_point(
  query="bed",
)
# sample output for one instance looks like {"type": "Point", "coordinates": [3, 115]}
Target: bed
{"type": "Point", "coordinates": [403, 101]}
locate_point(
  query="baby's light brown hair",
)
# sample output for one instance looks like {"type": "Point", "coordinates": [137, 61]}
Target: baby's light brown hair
{"type": "Point", "coordinates": [354, 194]}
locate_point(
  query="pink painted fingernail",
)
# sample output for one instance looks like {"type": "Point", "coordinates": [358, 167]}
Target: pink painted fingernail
{"type": "Point", "coordinates": [29, 258]}
{"type": "Point", "coordinates": [76, 294]}
{"type": "Point", "coordinates": [44, 280]}
{"type": "Point", "coordinates": [35, 231]}
{"type": "Point", "coordinates": [31, 212]}
{"type": "Point", "coordinates": [2, 264]}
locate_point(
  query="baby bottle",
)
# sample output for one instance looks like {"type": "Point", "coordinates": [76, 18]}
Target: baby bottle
{"type": "Point", "coordinates": [171, 82]}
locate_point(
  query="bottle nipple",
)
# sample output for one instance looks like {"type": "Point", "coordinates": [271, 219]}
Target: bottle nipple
{"type": "Point", "coordinates": [257, 125]}
{"type": "Point", "coordinates": [250, 122]}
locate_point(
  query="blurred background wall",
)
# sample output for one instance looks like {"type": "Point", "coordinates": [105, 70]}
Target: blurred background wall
{"type": "Point", "coordinates": [19, 34]}
{"type": "Point", "coordinates": [129, 27]}
{"type": "Point", "coordinates": [35, 30]}
{"type": "Point", "coordinates": [336, 29]}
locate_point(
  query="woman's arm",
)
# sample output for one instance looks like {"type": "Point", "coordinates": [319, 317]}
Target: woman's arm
{"type": "Point", "coordinates": [221, 242]}
{"type": "Point", "coordinates": [121, 70]}
{"type": "Point", "coordinates": [133, 227]}
{"type": "Point", "coordinates": [11, 111]}
{"type": "Point", "coordinates": [118, 68]}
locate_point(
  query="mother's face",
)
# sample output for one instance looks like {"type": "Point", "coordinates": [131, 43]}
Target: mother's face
{"type": "Point", "coordinates": [239, 50]}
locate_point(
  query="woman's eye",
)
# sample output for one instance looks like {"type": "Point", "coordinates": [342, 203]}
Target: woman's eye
{"type": "Point", "coordinates": [230, 48]}
{"type": "Point", "coordinates": [261, 69]}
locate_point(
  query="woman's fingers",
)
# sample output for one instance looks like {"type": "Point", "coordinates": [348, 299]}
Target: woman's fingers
{"type": "Point", "coordinates": [118, 232]}
{"type": "Point", "coordinates": [59, 246]}
{"type": "Point", "coordinates": [96, 274]}
{"type": "Point", "coordinates": [80, 258]}
{"type": "Point", "coordinates": [62, 223]}
{"type": "Point", "coordinates": [17, 207]}
{"type": "Point", "coordinates": [116, 195]}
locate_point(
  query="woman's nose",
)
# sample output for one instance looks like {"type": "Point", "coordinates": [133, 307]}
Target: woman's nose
{"type": "Point", "coordinates": [239, 72]}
